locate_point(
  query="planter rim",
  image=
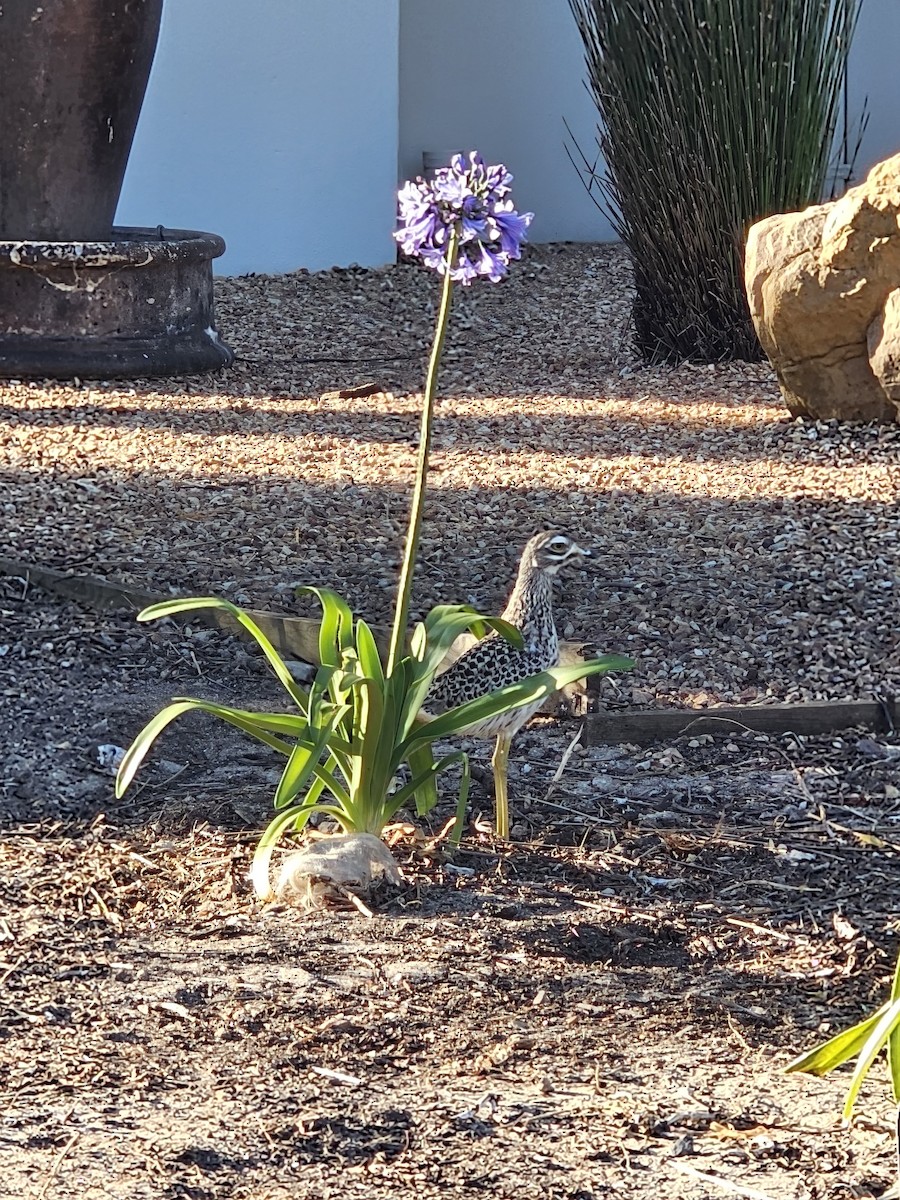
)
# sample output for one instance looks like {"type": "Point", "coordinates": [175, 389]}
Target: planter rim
{"type": "Point", "coordinates": [129, 246]}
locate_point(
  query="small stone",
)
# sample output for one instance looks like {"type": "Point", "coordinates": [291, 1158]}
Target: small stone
{"type": "Point", "coordinates": [167, 767]}
{"type": "Point", "coordinates": [883, 342]}
{"type": "Point", "coordinates": [109, 757]}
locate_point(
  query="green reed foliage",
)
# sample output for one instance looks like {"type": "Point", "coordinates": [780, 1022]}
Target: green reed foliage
{"type": "Point", "coordinates": [714, 113]}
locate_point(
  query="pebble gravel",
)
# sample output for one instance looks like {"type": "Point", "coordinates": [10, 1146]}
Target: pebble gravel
{"type": "Point", "coordinates": [741, 555]}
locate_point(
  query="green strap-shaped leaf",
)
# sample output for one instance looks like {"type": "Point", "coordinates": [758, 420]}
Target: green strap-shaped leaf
{"type": "Point", "coordinates": [303, 760]}
{"type": "Point", "coordinates": [336, 629]}
{"type": "Point", "coordinates": [369, 658]}
{"type": "Point", "coordinates": [167, 607]}
{"type": "Point", "coordinates": [446, 622]}
{"type": "Point", "coordinates": [864, 1039]}
{"type": "Point", "coordinates": [418, 642]}
{"type": "Point", "coordinates": [288, 724]}
{"type": "Point", "coordinates": [443, 625]}
{"type": "Point", "coordinates": [388, 756]}
{"type": "Point", "coordinates": [400, 797]}
{"type": "Point", "coordinates": [326, 780]}
{"type": "Point", "coordinates": [893, 1046]}
{"type": "Point", "coordinates": [877, 1038]}
{"type": "Point", "coordinates": [461, 802]}
{"type": "Point", "coordinates": [415, 697]}
{"type": "Point", "coordinates": [516, 695]}
{"type": "Point", "coordinates": [330, 690]}
{"type": "Point", "coordinates": [482, 626]}
{"type": "Point", "coordinates": [366, 789]}
{"type": "Point", "coordinates": [258, 725]}
{"type": "Point", "coordinates": [838, 1049]}
{"type": "Point", "coordinates": [422, 765]}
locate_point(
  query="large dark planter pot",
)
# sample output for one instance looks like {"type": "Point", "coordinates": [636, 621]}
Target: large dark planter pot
{"type": "Point", "coordinates": [77, 296]}
{"type": "Point", "coordinates": [72, 79]}
{"type": "Point", "coordinates": [141, 304]}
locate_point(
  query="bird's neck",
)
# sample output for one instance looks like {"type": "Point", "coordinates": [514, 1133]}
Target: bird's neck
{"type": "Point", "coordinates": [530, 609]}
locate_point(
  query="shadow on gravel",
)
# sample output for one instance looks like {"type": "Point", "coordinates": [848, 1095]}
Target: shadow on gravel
{"type": "Point", "coordinates": [734, 599]}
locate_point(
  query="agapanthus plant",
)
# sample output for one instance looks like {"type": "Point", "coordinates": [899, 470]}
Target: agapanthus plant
{"type": "Point", "coordinates": [350, 735]}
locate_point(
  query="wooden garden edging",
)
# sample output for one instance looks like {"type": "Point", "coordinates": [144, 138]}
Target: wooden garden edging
{"type": "Point", "coordinates": [293, 637]}
{"type": "Point", "coordinates": [820, 716]}
{"type": "Point", "coordinates": [297, 638]}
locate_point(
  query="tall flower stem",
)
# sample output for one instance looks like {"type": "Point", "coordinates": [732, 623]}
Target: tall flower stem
{"type": "Point", "coordinates": [401, 615]}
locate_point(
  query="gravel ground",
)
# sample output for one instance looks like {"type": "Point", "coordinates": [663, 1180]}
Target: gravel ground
{"type": "Point", "coordinates": [604, 1009]}
{"type": "Point", "coordinates": [742, 555]}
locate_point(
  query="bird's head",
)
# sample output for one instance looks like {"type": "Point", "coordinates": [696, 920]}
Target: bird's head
{"type": "Point", "coordinates": [551, 550]}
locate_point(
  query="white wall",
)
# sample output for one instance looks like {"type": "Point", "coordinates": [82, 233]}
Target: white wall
{"type": "Point", "coordinates": [279, 123]}
{"type": "Point", "coordinates": [874, 74]}
{"type": "Point", "coordinates": [499, 76]}
{"type": "Point", "coordinates": [274, 124]}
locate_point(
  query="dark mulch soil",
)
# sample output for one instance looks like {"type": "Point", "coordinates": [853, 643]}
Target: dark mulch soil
{"type": "Point", "coordinates": [604, 1009]}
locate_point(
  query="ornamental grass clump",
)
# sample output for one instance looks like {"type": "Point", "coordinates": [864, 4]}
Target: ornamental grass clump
{"type": "Point", "coordinates": [348, 738]}
{"type": "Point", "coordinates": [714, 113]}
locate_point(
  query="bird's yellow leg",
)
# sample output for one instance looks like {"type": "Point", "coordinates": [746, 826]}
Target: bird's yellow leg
{"type": "Point", "coordinates": [499, 762]}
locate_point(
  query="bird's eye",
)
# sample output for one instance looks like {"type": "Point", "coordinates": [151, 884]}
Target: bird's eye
{"type": "Point", "coordinates": [558, 543]}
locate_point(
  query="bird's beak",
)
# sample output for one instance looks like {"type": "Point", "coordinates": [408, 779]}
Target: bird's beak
{"type": "Point", "coordinates": [584, 551]}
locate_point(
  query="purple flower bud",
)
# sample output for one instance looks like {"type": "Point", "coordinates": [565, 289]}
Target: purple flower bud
{"type": "Point", "coordinates": [470, 199]}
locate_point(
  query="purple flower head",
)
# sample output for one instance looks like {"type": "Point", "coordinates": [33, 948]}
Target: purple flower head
{"type": "Point", "coordinates": [471, 199]}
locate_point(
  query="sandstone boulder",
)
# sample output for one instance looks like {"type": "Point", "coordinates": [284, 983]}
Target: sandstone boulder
{"type": "Point", "coordinates": [884, 348]}
{"type": "Point", "coordinates": [823, 290]}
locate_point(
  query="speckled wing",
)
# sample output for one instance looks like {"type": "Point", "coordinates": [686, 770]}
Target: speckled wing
{"type": "Point", "coordinates": [491, 664]}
